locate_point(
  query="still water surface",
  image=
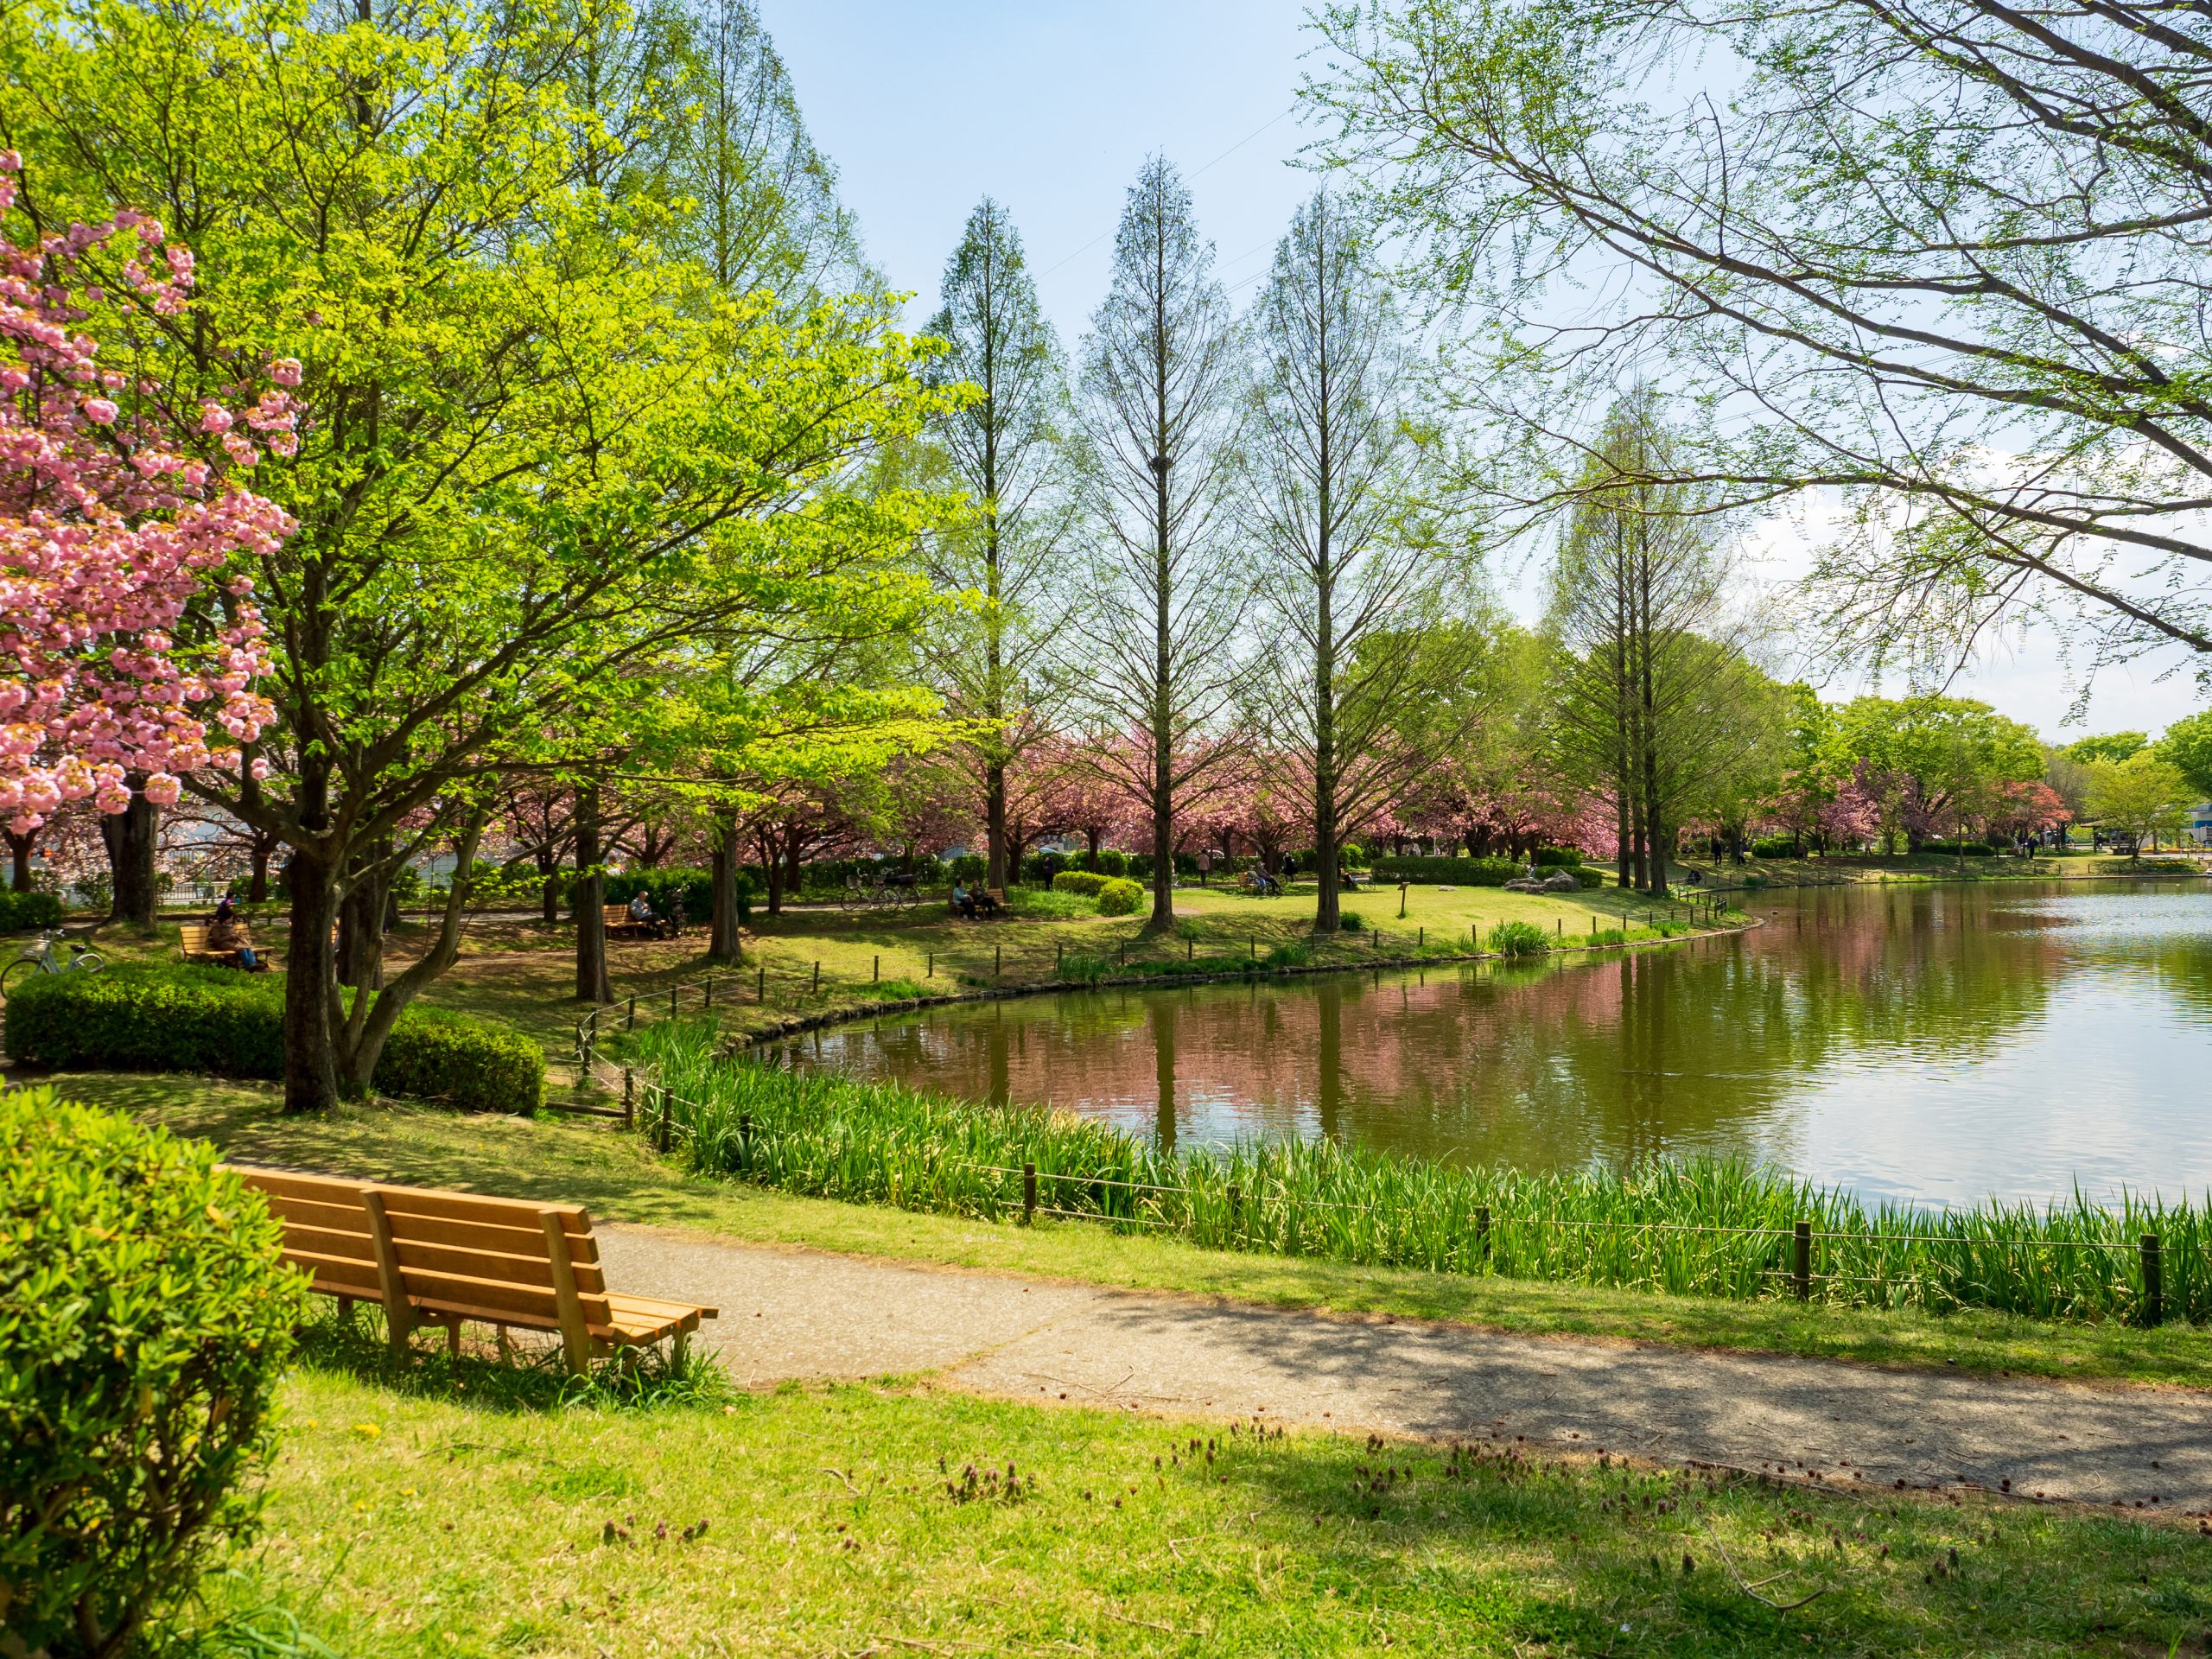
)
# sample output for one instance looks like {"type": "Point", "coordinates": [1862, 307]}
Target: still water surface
{"type": "Point", "coordinates": [1944, 1044]}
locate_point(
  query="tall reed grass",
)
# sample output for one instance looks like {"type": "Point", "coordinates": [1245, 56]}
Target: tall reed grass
{"type": "Point", "coordinates": [1693, 1227]}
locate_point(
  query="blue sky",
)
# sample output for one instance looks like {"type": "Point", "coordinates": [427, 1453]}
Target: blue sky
{"type": "Point", "coordinates": [1052, 104]}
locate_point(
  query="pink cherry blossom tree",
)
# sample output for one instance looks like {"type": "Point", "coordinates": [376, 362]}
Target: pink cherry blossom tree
{"type": "Point", "coordinates": [119, 516]}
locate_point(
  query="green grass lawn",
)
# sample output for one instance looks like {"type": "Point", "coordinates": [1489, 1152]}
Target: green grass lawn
{"type": "Point", "coordinates": [448, 1518]}
{"type": "Point", "coordinates": [522, 970]}
{"type": "Point", "coordinates": [619, 1177]}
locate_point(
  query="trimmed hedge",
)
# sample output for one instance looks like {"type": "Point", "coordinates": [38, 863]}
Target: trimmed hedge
{"type": "Point", "coordinates": [1120, 896]}
{"type": "Point", "coordinates": [22, 911]}
{"type": "Point", "coordinates": [1958, 849]}
{"type": "Point", "coordinates": [1447, 871]}
{"type": "Point", "coordinates": [226, 1024]}
{"type": "Point", "coordinates": [146, 1318]}
{"type": "Point", "coordinates": [1086, 882]}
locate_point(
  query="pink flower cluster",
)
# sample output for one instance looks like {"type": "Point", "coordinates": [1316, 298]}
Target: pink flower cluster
{"type": "Point", "coordinates": [110, 530]}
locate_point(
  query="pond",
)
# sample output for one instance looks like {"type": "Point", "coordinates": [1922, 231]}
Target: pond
{"type": "Point", "coordinates": [1945, 1043]}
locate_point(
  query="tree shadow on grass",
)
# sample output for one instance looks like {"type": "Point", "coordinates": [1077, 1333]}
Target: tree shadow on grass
{"type": "Point", "coordinates": [531, 1379]}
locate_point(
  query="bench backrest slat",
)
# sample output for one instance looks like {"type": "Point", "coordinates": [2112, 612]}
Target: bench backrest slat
{"type": "Point", "coordinates": [459, 1249]}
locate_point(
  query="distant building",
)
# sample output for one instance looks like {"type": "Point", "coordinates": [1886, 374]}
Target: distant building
{"type": "Point", "coordinates": [2198, 825]}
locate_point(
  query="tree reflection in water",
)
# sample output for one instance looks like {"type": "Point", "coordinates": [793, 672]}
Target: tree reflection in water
{"type": "Point", "coordinates": [1945, 1041]}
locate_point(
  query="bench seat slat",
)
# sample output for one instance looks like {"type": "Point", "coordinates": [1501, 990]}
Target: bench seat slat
{"type": "Point", "coordinates": [324, 1241]}
{"type": "Point", "coordinates": [341, 1277]}
{"type": "Point", "coordinates": [496, 1240]}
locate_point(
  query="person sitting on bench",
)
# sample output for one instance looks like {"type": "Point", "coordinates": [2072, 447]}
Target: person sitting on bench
{"type": "Point", "coordinates": [228, 936]}
{"type": "Point", "coordinates": [963, 900]}
{"type": "Point", "coordinates": [641, 913]}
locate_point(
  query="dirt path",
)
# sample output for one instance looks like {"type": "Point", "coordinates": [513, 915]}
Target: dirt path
{"type": "Point", "coordinates": [797, 1314]}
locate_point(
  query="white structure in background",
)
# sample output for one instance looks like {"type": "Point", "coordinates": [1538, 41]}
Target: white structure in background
{"type": "Point", "coordinates": [2198, 826]}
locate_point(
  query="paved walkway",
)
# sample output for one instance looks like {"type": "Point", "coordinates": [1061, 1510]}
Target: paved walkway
{"type": "Point", "coordinates": [806, 1315]}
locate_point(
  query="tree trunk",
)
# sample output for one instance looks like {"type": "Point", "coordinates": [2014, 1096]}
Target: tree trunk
{"type": "Point", "coordinates": [593, 984]}
{"type": "Point", "coordinates": [19, 858]}
{"type": "Point", "coordinates": [995, 849]}
{"type": "Point", "coordinates": [724, 943]}
{"type": "Point", "coordinates": [258, 852]}
{"type": "Point", "coordinates": [549, 885]}
{"type": "Point", "coordinates": [362, 917]}
{"type": "Point", "coordinates": [310, 986]}
{"type": "Point", "coordinates": [130, 838]}
{"type": "Point", "coordinates": [794, 882]}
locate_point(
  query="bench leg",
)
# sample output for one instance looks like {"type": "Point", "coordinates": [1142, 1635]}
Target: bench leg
{"type": "Point", "coordinates": [679, 1348]}
{"type": "Point", "coordinates": [507, 1347]}
{"type": "Point", "coordinates": [453, 1338]}
{"type": "Point", "coordinates": [345, 1313]}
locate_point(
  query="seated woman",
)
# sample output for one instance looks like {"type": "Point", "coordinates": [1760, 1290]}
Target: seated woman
{"type": "Point", "coordinates": [962, 901]}
{"type": "Point", "coordinates": [228, 936]}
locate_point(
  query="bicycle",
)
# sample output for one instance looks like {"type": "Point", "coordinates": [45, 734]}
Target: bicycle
{"type": "Point", "coordinates": [42, 960]}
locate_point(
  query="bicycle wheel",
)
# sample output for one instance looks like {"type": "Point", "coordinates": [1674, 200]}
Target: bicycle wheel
{"type": "Point", "coordinates": [87, 961]}
{"type": "Point", "coordinates": [12, 978]}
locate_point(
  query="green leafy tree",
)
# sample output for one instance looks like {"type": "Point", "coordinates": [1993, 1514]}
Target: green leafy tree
{"type": "Point", "coordinates": [541, 457]}
{"type": "Point", "coordinates": [2141, 798]}
{"type": "Point", "coordinates": [1935, 764]}
{"type": "Point", "coordinates": [2187, 746]}
{"type": "Point", "coordinates": [2112, 746]}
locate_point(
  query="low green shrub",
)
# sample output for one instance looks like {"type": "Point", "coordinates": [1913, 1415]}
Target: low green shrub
{"type": "Point", "coordinates": [1086, 882]}
{"type": "Point", "coordinates": [1348, 921]}
{"type": "Point", "coordinates": [22, 911]}
{"type": "Point", "coordinates": [1112, 861]}
{"type": "Point", "coordinates": [1519, 940]}
{"type": "Point", "coordinates": [1119, 897]}
{"type": "Point", "coordinates": [1587, 877]}
{"type": "Point", "coordinates": [1447, 871]}
{"type": "Point", "coordinates": [146, 1321]}
{"type": "Point", "coordinates": [226, 1024]}
{"type": "Point", "coordinates": [1777, 847]}
{"type": "Point", "coordinates": [1563, 857]}
{"type": "Point", "coordinates": [1958, 849]}
{"type": "Point", "coordinates": [1609, 936]}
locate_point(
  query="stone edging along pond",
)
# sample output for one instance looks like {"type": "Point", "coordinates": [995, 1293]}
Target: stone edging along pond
{"type": "Point", "coordinates": [852, 1014]}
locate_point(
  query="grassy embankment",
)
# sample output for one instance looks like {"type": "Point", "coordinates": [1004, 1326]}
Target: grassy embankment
{"type": "Point", "coordinates": [454, 1515]}
{"type": "Point", "coordinates": [523, 970]}
{"type": "Point", "coordinates": [620, 1178]}
{"type": "Point", "coordinates": [1850, 869]}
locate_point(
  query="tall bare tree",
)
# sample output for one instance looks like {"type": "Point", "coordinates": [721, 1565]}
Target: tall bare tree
{"type": "Point", "coordinates": [1007, 445]}
{"type": "Point", "coordinates": [1650, 694]}
{"type": "Point", "coordinates": [1160, 415]}
{"type": "Point", "coordinates": [1351, 579]}
{"type": "Point", "coordinates": [1947, 258]}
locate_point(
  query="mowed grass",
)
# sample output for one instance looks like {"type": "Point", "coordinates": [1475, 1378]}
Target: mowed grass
{"type": "Point", "coordinates": [522, 970]}
{"type": "Point", "coordinates": [891, 1519]}
{"type": "Point", "coordinates": [620, 1178]}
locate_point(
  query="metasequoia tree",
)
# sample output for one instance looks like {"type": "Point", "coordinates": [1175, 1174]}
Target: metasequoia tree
{"type": "Point", "coordinates": [1947, 258]}
{"type": "Point", "coordinates": [1005, 443]}
{"type": "Point", "coordinates": [1160, 417]}
{"type": "Point", "coordinates": [1651, 699]}
{"type": "Point", "coordinates": [1351, 579]}
{"type": "Point", "coordinates": [537, 455]}
{"type": "Point", "coordinates": [123, 533]}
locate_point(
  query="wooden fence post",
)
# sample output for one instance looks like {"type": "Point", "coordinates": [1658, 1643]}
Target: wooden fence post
{"type": "Point", "coordinates": [1482, 1231]}
{"type": "Point", "coordinates": [2154, 1282]}
{"type": "Point", "coordinates": [1801, 1262]}
{"type": "Point", "coordinates": [660, 1136]}
{"type": "Point", "coordinates": [875, 973]}
{"type": "Point", "coordinates": [1029, 1195]}
{"type": "Point", "coordinates": [932, 965]}
{"type": "Point", "coordinates": [630, 1015]}
{"type": "Point", "coordinates": [1236, 1209]}
{"type": "Point", "coordinates": [817, 973]}
{"type": "Point", "coordinates": [673, 990]}
{"type": "Point", "coordinates": [710, 990]}
{"type": "Point", "coordinates": [998, 960]}
{"type": "Point", "coordinates": [762, 990]}
{"type": "Point", "coordinates": [629, 1100]}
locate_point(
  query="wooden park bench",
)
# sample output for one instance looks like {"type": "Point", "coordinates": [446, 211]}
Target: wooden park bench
{"type": "Point", "coordinates": [433, 1257]}
{"type": "Point", "coordinates": [989, 901]}
{"type": "Point", "coordinates": [616, 920]}
{"type": "Point", "coordinates": [194, 935]}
